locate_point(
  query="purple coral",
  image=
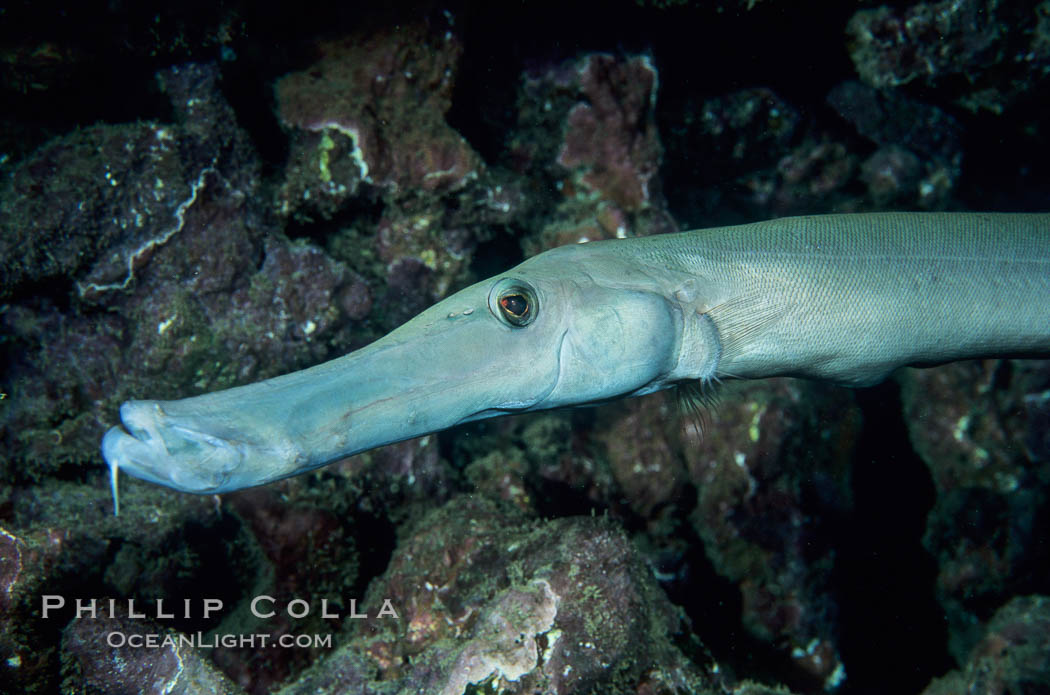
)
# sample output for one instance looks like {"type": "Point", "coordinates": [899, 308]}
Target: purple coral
{"type": "Point", "coordinates": [372, 110]}
{"type": "Point", "coordinates": [610, 141]}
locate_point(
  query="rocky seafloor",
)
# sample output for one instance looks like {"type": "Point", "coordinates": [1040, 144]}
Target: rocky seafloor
{"type": "Point", "coordinates": [203, 196]}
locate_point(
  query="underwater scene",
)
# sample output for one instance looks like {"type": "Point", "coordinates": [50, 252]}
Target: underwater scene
{"type": "Point", "coordinates": [650, 462]}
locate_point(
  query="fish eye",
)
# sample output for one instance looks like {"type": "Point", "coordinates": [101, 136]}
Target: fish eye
{"type": "Point", "coordinates": [514, 302]}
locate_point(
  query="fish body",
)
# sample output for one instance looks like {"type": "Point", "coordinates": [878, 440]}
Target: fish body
{"type": "Point", "coordinates": [840, 298]}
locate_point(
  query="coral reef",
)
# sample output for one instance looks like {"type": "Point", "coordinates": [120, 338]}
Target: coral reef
{"type": "Point", "coordinates": [169, 668]}
{"type": "Point", "coordinates": [1011, 656]}
{"type": "Point", "coordinates": [604, 163]}
{"type": "Point", "coordinates": [185, 286]}
{"type": "Point", "coordinates": [970, 422]}
{"type": "Point", "coordinates": [1002, 50]}
{"type": "Point", "coordinates": [763, 499]}
{"type": "Point", "coordinates": [63, 541]}
{"type": "Point", "coordinates": [610, 146]}
{"type": "Point", "coordinates": [750, 490]}
{"type": "Point", "coordinates": [908, 132]}
{"type": "Point", "coordinates": [752, 153]}
{"type": "Point", "coordinates": [368, 131]}
{"type": "Point", "coordinates": [371, 111]}
{"type": "Point", "coordinates": [740, 131]}
{"type": "Point", "coordinates": [492, 599]}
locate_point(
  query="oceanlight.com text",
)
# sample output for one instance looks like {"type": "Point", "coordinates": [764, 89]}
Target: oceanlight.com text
{"type": "Point", "coordinates": [199, 640]}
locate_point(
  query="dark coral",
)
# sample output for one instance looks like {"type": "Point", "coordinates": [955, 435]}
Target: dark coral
{"type": "Point", "coordinates": [123, 670]}
{"type": "Point", "coordinates": [186, 285]}
{"type": "Point", "coordinates": [891, 175]}
{"type": "Point", "coordinates": [643, 443]}
{"type": "Point", "coordinates": [754, 490]}
{"type": "Point", "coordinates": [752, 154]}
{"type": "Point", "coordinates": [925, 41]}
{"type": "Point", "coordinates": [988, 52]}
{"type": "Point", "coordinates": [611, 145]}
{"type": "Point", "coordinates": [1011, 656]}
{"type": "Point", "coordinates": [490, 598]}
{"type": "Point", "coordinates": [368, 130]}
{"type": "Point", "coordinates": [732, 134]}
{"type": "Point", "coordinates": [921, 146]}
{"type": "Point", "coordinates": [371, 111]}
{"type": "Point", "coordinates": [969, 423]}
{"type": "Point", "coordinates": [888, 118]}
{"type": "Point", "coordinates": [764, 498]}
{"type": "Point", "coordinates": [70, 201]}
{"type": "Point", "coordinates": [603, 165]}
{"type": "Point", "coordinates": [63, 541]}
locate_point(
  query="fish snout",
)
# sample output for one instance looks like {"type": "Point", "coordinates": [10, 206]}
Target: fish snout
{"type": "Point", "coordinates": [180, 451]}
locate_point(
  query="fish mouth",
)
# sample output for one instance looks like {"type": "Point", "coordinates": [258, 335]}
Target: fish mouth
{"type": "Point", "coordinates": [180, 451]}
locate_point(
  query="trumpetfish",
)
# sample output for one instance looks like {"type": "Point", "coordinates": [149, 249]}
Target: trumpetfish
{"type": "Point", "coordinates": [840, 298]}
